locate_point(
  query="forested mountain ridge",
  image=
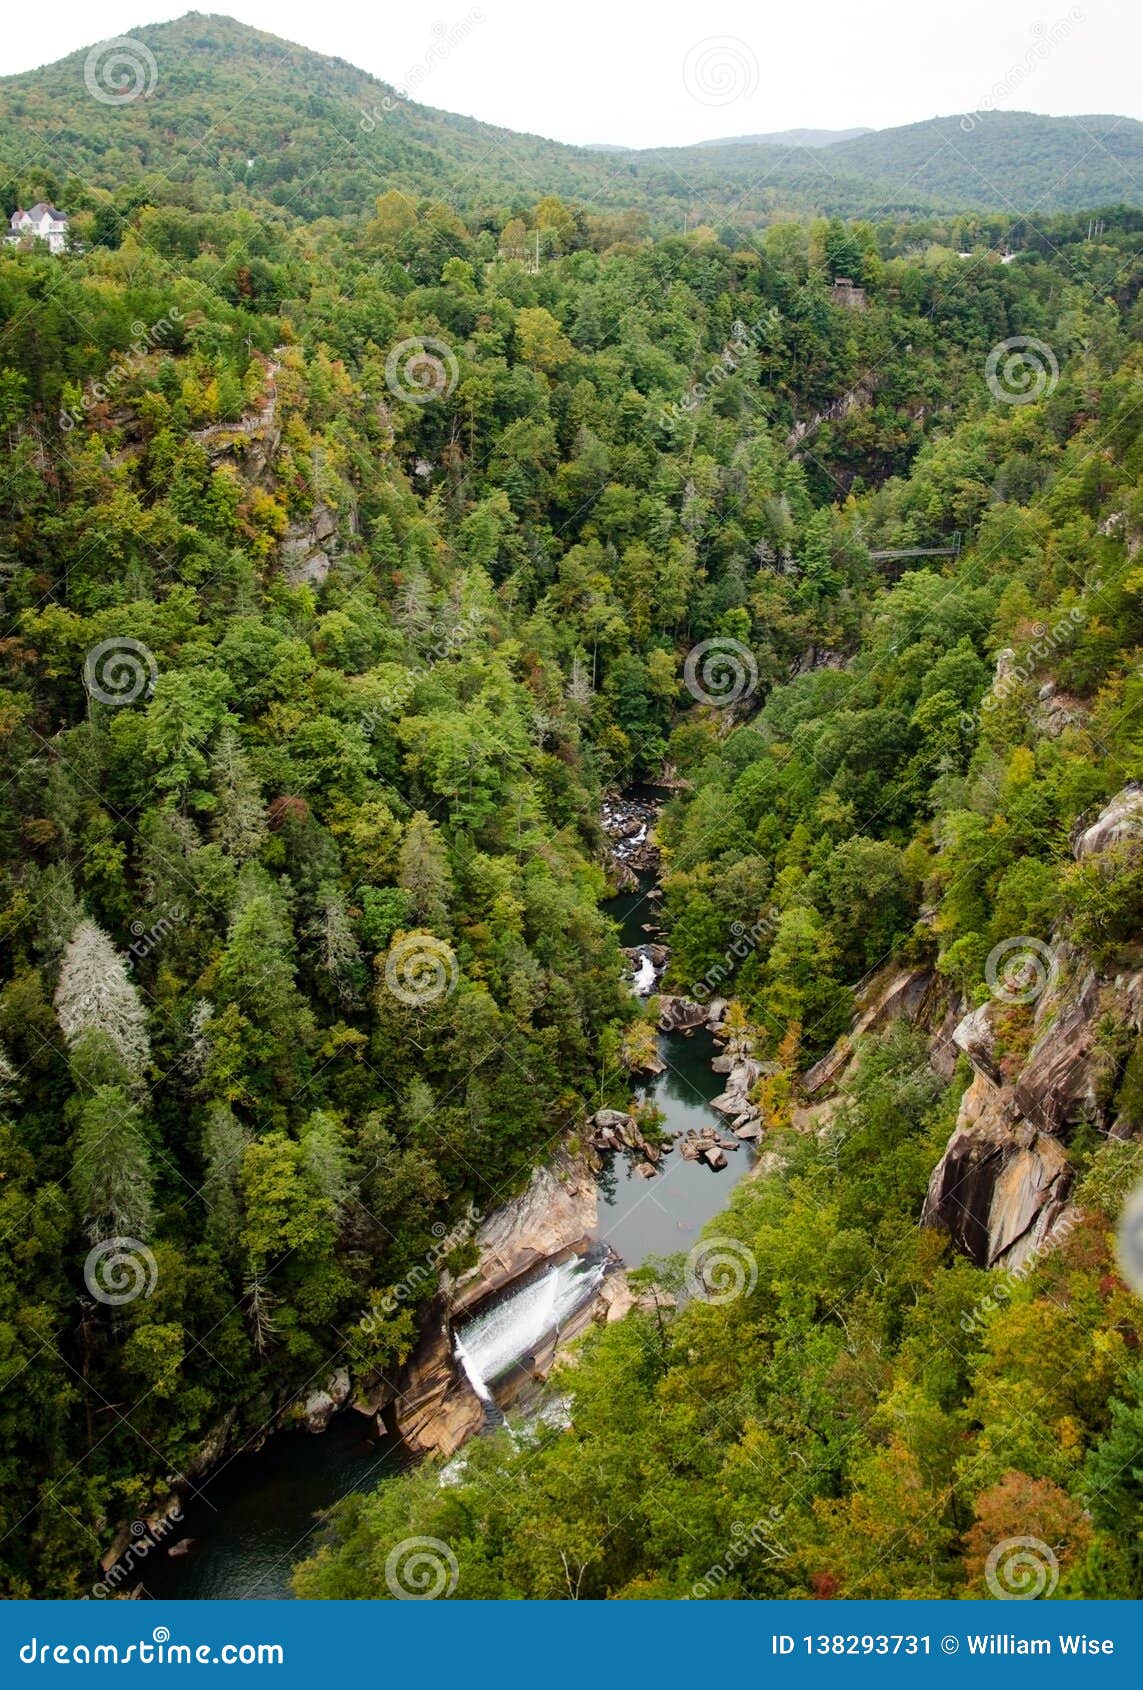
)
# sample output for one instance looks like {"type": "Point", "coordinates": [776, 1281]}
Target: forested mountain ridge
{"type": "Point", "coordinates": [346, 565]}
{"type": "Point", "coordinates": [232, 116]}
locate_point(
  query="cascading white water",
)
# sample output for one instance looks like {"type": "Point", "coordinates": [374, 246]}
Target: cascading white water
{"type": "Point", "coordinates": [644, 976]}
{"type": "Point", "coordinates": [490, 1345]}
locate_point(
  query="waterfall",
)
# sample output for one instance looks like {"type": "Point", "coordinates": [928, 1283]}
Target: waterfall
{"type": "Point", "coordinates": [644, 976]}
{"type": "Point", "coordinates": [491, 1344]}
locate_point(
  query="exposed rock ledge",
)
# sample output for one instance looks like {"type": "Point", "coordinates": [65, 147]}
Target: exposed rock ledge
{"type": "Point", "coordinates": [1001, 1187]}
{"type": "Point", "coordinates": [1120, 820]}
{"type": "Point", "coordinates": [431, 1403]}
{"type": "Point", "coordinates": [557, 1212]}
{"type": "Point", "coordinates": [912, 994]}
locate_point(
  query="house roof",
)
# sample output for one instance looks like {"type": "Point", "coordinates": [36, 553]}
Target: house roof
{"type": "Point", "coordinates": [41, 206]}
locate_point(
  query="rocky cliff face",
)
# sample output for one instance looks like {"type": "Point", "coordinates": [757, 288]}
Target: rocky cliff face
{"type": "Point", "coordinates": [432, 1404]}
{"type": "Point", "coordinates": [1039, 1070]}
{"type": "Point", "coordinates": [559, 1211]}
{"type": "Point", "coordinates": [1001, 1187]}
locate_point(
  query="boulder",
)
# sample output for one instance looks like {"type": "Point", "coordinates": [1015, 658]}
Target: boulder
{"type": "Point", "coordinates": [713, 1156]}
{"type": "Point", "coordinates": [1118, 821]}
{"type": "Point", "coordinates": [680, 1014]}
{"type": "Point", "coordinates": [319, 1407]}
{"type": "Point", "coordinates": [1000, 1187]}
{"type": "Point", "coordinates": [611, 1120]}
{"type": "Point", "coordinates": [974, 1035]}
{"type": "Point", "coordinates": [212, 1448]}
{"type": "Point", "coordinates": [616, 1297]}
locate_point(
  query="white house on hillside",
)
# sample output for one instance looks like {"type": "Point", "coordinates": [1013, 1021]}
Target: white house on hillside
{"type": "Point", "coordinates": [43, 222]}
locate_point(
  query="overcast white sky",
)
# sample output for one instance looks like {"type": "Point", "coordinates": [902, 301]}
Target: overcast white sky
{"type": "Point", "coordinates": [676, 71]}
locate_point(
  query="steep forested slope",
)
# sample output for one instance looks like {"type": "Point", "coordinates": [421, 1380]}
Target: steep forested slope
{"type": "Point", "coordinates": [343, 568]}
{"type": "Point", "coordinates": [851, 1407]}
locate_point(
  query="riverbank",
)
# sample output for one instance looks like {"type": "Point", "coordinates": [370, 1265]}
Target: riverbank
{"type": "Point", "coordinates": [547, 1267]}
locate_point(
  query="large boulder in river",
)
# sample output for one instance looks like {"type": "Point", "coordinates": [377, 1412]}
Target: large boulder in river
{"type": "Point", "coordinates": [677, 1015]}
{"type": "Point", "coordinates": [320, 1406]}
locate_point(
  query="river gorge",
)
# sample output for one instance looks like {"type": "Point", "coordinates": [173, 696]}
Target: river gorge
{"type": "Point", "coordinates": [254, 1517]}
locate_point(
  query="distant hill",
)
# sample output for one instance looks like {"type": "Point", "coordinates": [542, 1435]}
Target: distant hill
{"type": "Point", "coordinates": [1017, 160]}
{"type": "Point", "coordinates": [230, 116]}
{"type": "Point", "coordinates": [791, 138]}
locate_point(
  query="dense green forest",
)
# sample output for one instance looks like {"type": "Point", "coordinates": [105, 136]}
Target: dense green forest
{"type": "Point", "coordinates": [348, 559]}
{"type": "Point", "coordinates": [871, 1415]}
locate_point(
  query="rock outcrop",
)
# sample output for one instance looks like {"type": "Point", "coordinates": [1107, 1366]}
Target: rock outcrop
{"type": "Point", "coordinates": [307, 547]}
{"type": "Point", "coordinates": [1119, 821]}
{"type": "Point", "coordinates": [918, 995]}
{"type": "Point", "coordinates": [434, 1407]}
{"type": "Point", "coordinates": [320, 1406]}
{"type": "Point", "coordinates": [682, 1015]}
{"type": "Point", "coordinates": [557, 1212]}
{"type": "Point", "coordinates": [1002, 1185]}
